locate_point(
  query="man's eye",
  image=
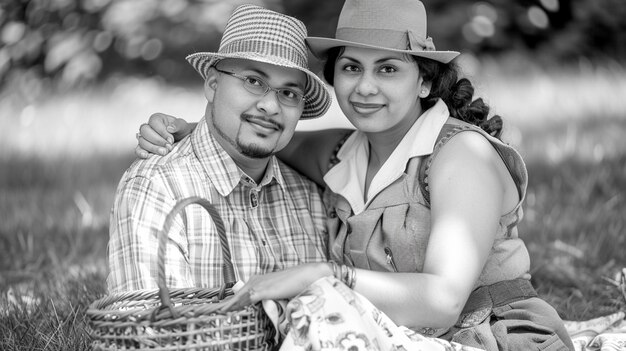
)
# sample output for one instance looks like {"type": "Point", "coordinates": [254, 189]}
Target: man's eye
{"type": "Point", "coordinates": [289, 93]}
{"type": "Point", "coordinates": [254, 81]}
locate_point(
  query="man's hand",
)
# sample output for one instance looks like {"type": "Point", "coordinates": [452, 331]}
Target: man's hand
{"type": "Point", "coordinates": [158, 135]}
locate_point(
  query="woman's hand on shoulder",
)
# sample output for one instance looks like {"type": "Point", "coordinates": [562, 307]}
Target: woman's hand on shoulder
{"type": "Point", "coordinates": [158, 135]}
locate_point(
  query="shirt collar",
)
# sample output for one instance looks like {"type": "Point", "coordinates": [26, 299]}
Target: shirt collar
{"type": "Point", "coordinates": [347, 178]}
{"type": "Point", "coordinates": [221, 169]}
{"type": "Point", "coordinates": [420, 139]}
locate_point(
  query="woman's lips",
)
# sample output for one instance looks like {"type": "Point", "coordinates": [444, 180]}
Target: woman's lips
{"type": "Point", "coordinates": [366, 108]}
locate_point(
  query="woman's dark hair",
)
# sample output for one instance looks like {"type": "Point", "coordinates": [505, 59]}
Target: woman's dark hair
{"type": "Point", "coordinates": [329, 63]}
{"type": "Point", "coordinates": [446, 85]}
{"type": "Point", "coordinates": [457, 94]}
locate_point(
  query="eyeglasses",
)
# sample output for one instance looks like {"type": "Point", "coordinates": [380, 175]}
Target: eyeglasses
{"type": "Point", "coordinates": [258, 86]}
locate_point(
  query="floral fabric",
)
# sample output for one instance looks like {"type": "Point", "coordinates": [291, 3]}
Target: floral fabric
{"type": "Point", "coordinates": [330, 316]}
{"type": "Point", "coordinates": [607, 333]}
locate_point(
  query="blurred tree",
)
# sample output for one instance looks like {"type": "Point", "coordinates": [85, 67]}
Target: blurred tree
{"type": "Point", "coordinates": [550, 31]}
{"type": "Point", "coordinates": [320, 18]}
{"type": "Point", "coordinates": [72, 42]}
{"type": "Point", "coordinates": [598, 32]}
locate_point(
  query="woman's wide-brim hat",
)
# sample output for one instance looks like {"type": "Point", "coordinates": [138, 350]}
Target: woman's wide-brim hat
{"type": "Point", "coordinates": [258, 34]}
{"type": "Point", "coordinates": [392, 25]}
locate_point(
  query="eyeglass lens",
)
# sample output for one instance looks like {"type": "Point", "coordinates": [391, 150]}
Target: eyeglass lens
{"type": "Point", "coordinates": [258, 86]}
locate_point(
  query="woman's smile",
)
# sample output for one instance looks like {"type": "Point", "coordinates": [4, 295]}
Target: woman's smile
{"type": "Point", "coordinates": [366, 108]}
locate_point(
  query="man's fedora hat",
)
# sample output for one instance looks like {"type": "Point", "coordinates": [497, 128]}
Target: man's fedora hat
{"type": "Point", "coordinates": [393, 25]}
{"type": "Point", "coordinates": [258, 34]}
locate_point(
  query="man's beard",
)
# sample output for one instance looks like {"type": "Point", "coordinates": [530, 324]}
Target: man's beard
{"type": "Point", "coordinates": [248, 150]}
{"type": "Point", "coordinates": [253, 150]}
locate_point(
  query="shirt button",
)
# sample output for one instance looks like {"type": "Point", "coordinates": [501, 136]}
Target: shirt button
{"type": "Point", "coordinates": [254, 199]}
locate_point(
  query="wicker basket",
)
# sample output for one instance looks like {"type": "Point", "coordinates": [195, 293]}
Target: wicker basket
{"type": "Point", "coordinates": [179, 319]}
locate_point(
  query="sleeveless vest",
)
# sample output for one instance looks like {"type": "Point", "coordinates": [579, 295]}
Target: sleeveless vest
{"type": "Point", "coordinates": [392, 233]}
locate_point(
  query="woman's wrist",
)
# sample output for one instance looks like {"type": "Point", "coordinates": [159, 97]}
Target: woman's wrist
{"type": "Point", "coordinates": [326, 269]}
{"type": "Point", "coordinates": [343, 273]}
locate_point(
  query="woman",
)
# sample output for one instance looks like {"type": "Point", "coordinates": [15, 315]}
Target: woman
{"type": "Point", "coordinates": [423, 200]}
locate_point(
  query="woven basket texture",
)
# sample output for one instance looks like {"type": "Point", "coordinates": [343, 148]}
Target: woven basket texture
{"type": "Point", "coordinates": [181, 318]}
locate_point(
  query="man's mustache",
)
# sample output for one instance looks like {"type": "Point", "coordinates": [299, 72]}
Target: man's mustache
{"type": "Point", "coordinates": [263, 119]}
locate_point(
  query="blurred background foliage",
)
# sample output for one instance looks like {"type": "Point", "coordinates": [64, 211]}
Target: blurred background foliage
{"type": "Point", "coordinates": [77, 78]}
{"type": "Point", "coordinates": [69, 43]}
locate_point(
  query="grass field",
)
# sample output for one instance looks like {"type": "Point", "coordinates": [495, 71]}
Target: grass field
{"type": "Point", "coordinates": [61, 157]}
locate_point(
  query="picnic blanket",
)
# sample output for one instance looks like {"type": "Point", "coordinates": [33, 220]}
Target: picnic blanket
{"type": "Point", "coordinates": [367, 328]}
{"type": "Point", "coordinates": [607, 333]}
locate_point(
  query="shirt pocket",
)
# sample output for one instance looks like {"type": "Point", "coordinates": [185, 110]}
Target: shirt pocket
{"type": "Point", "coordinates": [291, 238]}
{"type": "Point", "coordinates": [395, 238]}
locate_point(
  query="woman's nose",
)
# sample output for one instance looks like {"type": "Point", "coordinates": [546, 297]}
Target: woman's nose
{"type": "Point", "coordinates": [367, 85]}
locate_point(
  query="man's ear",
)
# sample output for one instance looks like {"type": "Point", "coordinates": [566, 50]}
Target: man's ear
{"type": "Point", "coordinates": [210, 84]}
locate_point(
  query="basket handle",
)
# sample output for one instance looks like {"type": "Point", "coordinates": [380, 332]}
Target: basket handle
{"type": "Point", "coordinates": [227, 268]}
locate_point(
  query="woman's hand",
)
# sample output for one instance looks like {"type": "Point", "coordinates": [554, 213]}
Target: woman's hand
{"type": "Point", "coordinates": [158, 135]}
{"type": "Point", "coordinates": [278, 285]}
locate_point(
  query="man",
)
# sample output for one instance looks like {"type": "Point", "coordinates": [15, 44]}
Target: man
{"type": "Point", "coordinates": [257, 87]}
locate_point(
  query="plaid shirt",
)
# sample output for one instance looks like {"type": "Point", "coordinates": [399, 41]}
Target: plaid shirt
{"type": "Point", "coordinates": [271, 226]}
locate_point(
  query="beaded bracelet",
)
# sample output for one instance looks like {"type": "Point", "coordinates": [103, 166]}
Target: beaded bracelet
{"type": "Point", "coordinates": [344, 273]}
{"type": "Point", "coordinates": [352, 278]}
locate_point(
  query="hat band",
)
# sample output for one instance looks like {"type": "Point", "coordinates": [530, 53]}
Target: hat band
{"type": "Point", "coordinates": [385, 38]}
{"type": "Point", "coordinates": [256, 48]}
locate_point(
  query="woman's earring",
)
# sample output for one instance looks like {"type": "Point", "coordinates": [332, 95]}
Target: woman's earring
{"type": "Point", "coordinates": [424, 93]}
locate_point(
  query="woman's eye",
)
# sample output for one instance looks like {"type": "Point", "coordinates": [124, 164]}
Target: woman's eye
{"type": "Point", "coordinates": [351, 68]}
{"type": "Point", "coordinates": [388, 69]}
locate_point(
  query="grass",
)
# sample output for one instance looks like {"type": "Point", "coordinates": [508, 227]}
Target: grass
{"type": "Point", "coordinates": [53, 236]}
{"type": "Point", "coordinates": [61, 158]}
{"type": "Point", "coordinates": [574, 229]}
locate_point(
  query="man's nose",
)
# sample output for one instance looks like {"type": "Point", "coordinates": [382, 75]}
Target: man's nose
{"type": "Point", "coordinates": [269, 102]}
